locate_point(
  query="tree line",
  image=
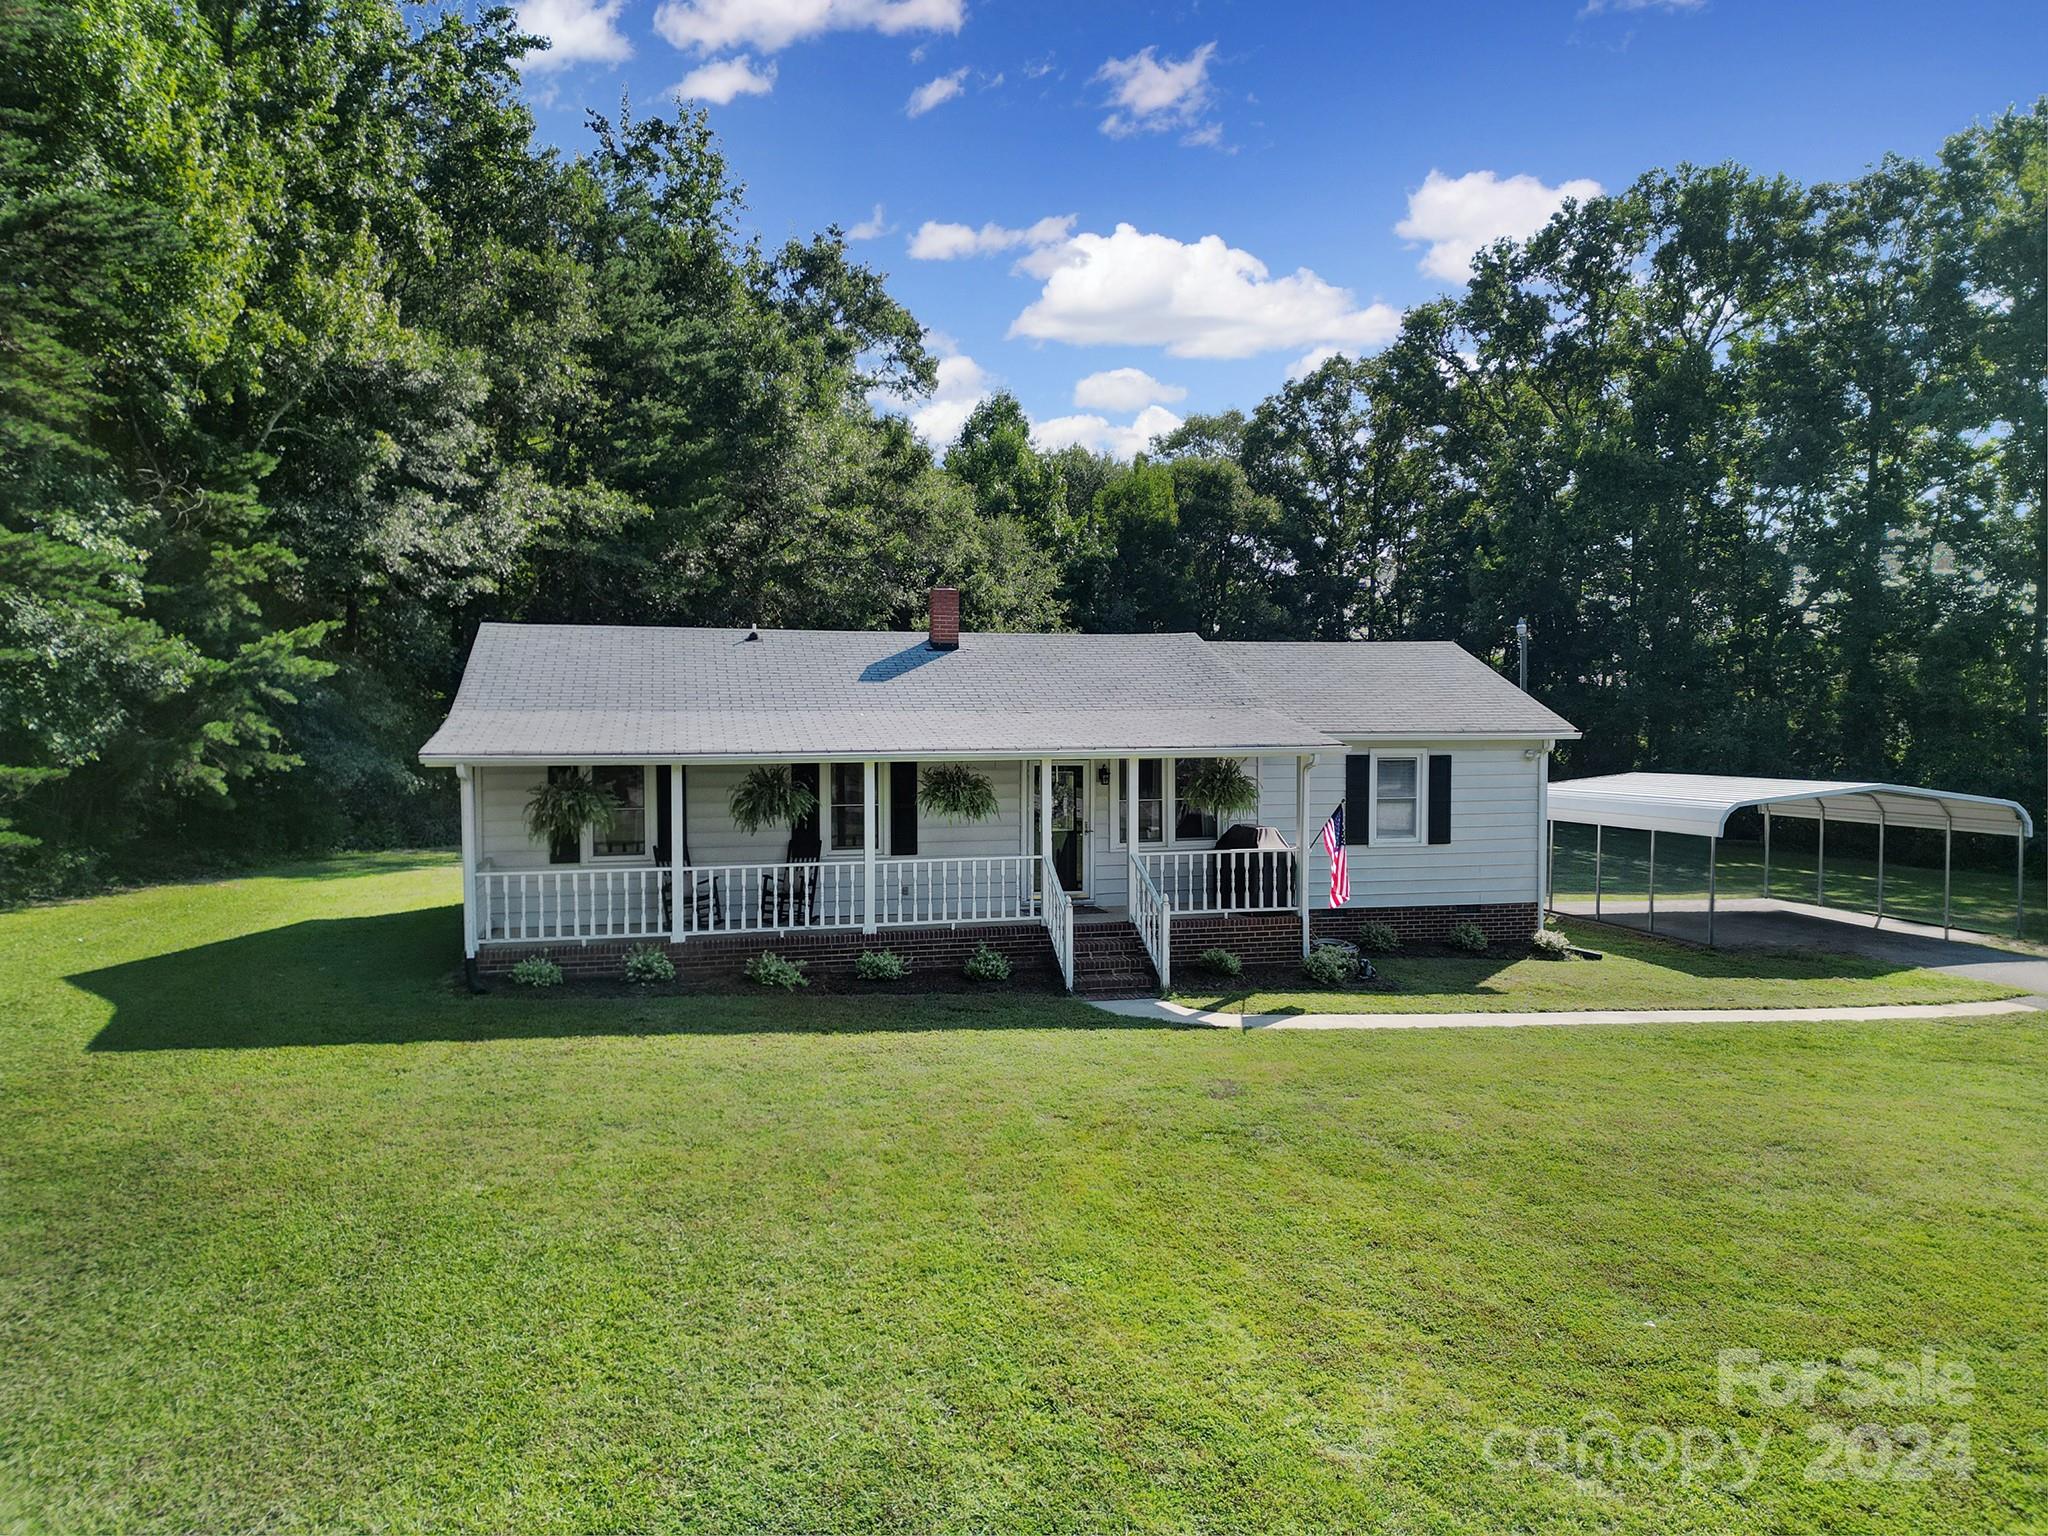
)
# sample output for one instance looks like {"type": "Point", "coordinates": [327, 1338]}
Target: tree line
{"type": "Point", "coordinates": [311, 360]}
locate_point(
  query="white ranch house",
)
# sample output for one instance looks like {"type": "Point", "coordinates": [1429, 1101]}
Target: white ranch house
{"type": "Point", "coordinates": [1444, 765]}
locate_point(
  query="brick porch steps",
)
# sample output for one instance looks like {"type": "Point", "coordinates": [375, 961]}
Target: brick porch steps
{"type": "Point", "coordinates": [1110, 961]}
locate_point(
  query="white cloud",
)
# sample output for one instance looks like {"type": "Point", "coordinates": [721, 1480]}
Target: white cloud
{"type": "Point", "coordinates": [722, 79]}
{"type": "Point", "coordinates": [950, 242]}
{"type": "Point", "coordinates": [1150, 96]}
{"type": "Point", "coordinates": [873, 227]}
{"type": "Point", "coordinates": [1100, 435]}
{"type": "Point", "coordinates": [709, 26]}
{"type": "Point", "coordinates": [581, 31]}
{"type": "Point", "coordinates": [1311, 360]}
{"type": "Point", "coordinates": [1204, 299]}
{"type": "Point", "coordinates": [963, 384]}
{"type": "Point", "coordinates": [934, 93]}
{"type": "Point", "coordinates": [1595, 7]}
{"type": "Point", "coordinates": [1124, 389]}
{"type": "Point", "coordinates": [1457, 215]}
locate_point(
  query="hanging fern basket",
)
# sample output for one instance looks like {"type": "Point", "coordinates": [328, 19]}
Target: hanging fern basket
{"type": "Point", "coordinates": [770, 796]}
{"type": "Point", "coordinates": [562, 807]}
{"type": "Point", "coordinates": [956, 792]}
{"type": "Point", "coordinates": [1221, 786]}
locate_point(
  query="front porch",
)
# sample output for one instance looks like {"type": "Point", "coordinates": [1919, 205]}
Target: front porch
{"type": "Point", "coordinates": [1090, 853]}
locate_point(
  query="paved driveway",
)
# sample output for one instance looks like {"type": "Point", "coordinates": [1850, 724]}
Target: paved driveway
{"type": "Point", "coordinates": [1757, 924]}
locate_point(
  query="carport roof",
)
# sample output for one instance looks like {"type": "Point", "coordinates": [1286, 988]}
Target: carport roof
{"type": "Point", "coordinates": [1701, 803]}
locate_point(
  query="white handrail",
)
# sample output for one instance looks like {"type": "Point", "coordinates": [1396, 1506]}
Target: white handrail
{"type": "Point", "coordinates": [581, 903]}
{"type": "Point", "coordinates": [1224, 879]}
{"type": "Point", "coordinates": [1152, 914]}
{"type": "Point", "coordinates": [992, 888]}
{"type": "Point", "coordinates": [1059, 924]}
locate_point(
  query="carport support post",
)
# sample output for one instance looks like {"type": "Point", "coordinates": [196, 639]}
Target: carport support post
{"type": "Point", "coordinates": [1820, 857]}
{"type": "Point", "coordinates": [1653, 879]}
{"type": "Point", "coordinates": [1713, 848]}
{"type": "Point", "coordinates": [2019, 885]}
{"type": "Point", "coordinates": [1767, 855]}
{"type": "Point", "coordinates": [1948, 837]}
{"type": "Point", "coordinates": [1599, 836]}
{"type": "Point", "coordinates": [1880, 861]}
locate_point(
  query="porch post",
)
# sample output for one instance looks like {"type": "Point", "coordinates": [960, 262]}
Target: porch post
{"type": "Point", "coordinates": [1302, 763]}
{"type": "Point", "coordinates": [1131, 812]}
{"type": "Point", "coordinates": [676, 894]}
{"type": "Point", "coordinates": [465, 778]}
{"type": "Point", "coordinates": [868, 822]}
{"type": "Point", "coordinates": [1045, 869]}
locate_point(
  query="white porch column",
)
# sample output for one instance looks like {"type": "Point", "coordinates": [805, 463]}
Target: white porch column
{"type": "Point", "coordinates": [465, 779]}
{"type": "Point", "coordinates": [1131, 814]}
{"type": "Point", "coordinates": [1045, 869]}
{"type": "Point", "coordinates": [677, 895]}
{"type": "Point", "coordinates": [867, 845]}
{"type": "Point", "coordinates": [1546, 837]}
{"type": "Point", "coordinates": [1302, 763]}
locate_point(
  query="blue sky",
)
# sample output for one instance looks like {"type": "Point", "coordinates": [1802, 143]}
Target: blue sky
{"type": "Point", "coordinates": [1124, 213]}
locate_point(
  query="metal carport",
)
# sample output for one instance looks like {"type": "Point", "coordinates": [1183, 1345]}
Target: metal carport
{"type": "Point", "coordinates": [1699, 805]}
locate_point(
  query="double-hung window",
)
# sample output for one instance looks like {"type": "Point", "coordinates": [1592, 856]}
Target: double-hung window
{"type": "Point", "coordinates": [1151, 800]}
{"type": "Point", "coordinates": [626, 838]}
{"type": "Point", "coordinates": [849, 811]}
{"type": "Point", "coordinates": [1396, 799]}
{"type": "Point", "coordinates": [1189, 824]}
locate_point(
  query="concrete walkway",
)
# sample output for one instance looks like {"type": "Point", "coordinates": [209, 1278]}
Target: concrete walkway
{"type": "Point", "coordinates": [1756, 923]}
{"type": "Point", "coordinates": [1178, 1013]}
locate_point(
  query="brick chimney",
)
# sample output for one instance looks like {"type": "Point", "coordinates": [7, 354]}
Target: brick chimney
{"type": "Point", "coordinates": [945, 631]}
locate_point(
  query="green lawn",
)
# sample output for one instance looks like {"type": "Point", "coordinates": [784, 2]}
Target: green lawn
{"type": "Point", "coordinates": [297, 1237]}
{"type": "Point", "coordinates": [1638, 972]}
{"type": "Point", "coordinates": [1980, 899]}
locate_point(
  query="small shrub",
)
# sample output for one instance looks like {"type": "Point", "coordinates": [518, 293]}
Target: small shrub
{"type": "Point", "coordinates": [1221, 962]}
{"type": "Point", "coordinates": [647, 963]}
{"type": "Point", "coordinates": [1378, 938]}
{"type": "Point", "coordinates": [1552, 945]}
{"type": "Point", "coordinates": [986, 964]}
{"type": "Point", "coordinates": [1330, 965]}
{"type": "Point", "coordinates": [881, 965]}
{"type": "Point", "coordinates": [536, 971]}
{"type": "Point", "coordinates": [1468, 938]}
{"type": "Point", "coordinates": [769, 969]}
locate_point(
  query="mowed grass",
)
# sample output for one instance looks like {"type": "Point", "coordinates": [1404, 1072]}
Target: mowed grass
{"type": "Point", "coordinates": [295, 1236]}
{"type": "Point", "coordinates": [1637, 971]}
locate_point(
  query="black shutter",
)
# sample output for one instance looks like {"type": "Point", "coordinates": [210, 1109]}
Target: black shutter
{"type": "Point", "coordinates": [1439, 797]}
{"type": "Point", "coordinates": [903, 810]}
{"type": "Point", "coordinates": [664, 817]}
{"type": "Point", "coordinates": [1357, 798]}
{"type": "Point", "coordinates": [803, 835]}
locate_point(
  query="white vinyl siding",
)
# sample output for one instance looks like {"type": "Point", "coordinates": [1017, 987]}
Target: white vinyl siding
{"type": "Point", "coordinates": [1490, 858]}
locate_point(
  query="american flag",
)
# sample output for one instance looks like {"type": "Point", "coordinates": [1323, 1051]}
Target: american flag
{"type": "Point", "coordinates": [1340, 868]}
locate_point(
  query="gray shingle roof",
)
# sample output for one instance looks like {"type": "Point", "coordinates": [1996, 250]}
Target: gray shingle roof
{"type": "Point", "coordinates": [572, 691]}
{"type": "Point", "coordinates": [1389, 688]}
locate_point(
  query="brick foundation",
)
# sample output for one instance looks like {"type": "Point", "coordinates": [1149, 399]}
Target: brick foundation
{"type": "Point", "coordinates": [1274, 938]}
{"type": "Point", "coordinates": [827, 951]}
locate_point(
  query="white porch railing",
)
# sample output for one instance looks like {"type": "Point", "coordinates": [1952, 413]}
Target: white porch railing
{"type": "Point", "coordinates": [767, 898]}
{"type": "Point", "coordinates": [1152, 914]}
{"type": "Point", "coordinates": [584, 903]}
{"type": "Point", "coordinates": [1059, 924]}
{"type": "Point", "coordinates": [998, 888]}
{"type": "Point", "coordinates": [1224, 879]}
{"type": "Point", "coordinates": [525, 906]}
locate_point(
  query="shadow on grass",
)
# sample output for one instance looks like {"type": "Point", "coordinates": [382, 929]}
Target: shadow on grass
{"type": "Point", "coordinates": [386, 980]}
